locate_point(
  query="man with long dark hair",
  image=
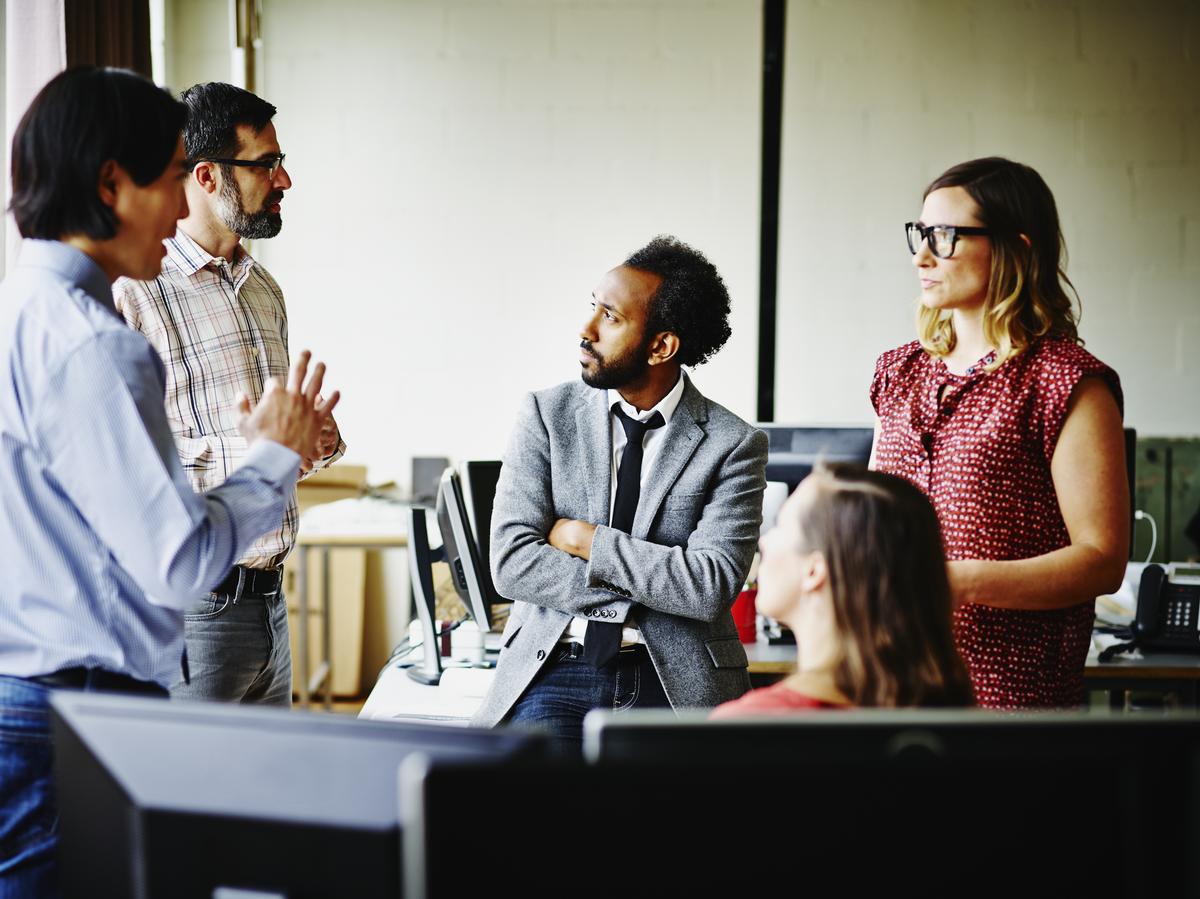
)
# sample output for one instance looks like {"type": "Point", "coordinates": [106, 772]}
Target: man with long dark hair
{"type": "Point", "coordinates": [627, 512]}
{"type": "Point", "coordinates": [104, 541]}
{"type": "Point", "coordinates": [219, 323]}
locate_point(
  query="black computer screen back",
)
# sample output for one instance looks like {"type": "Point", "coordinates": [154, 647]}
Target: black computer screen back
{"type": "Point", "coordinates": [479, 493]}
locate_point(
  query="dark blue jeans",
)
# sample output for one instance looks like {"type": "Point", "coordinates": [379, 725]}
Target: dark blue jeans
{"type": "Point", "coordinates": [567, 688]}
{"type": "Point", "coordinates": [28, 816]}
{"type": "Point", "coordinates": [28, 810]}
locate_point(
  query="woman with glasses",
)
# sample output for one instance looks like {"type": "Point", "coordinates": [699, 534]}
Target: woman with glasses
{"type": "Point", "coordinates": [1012, 429]}
{"type": "Point", "coordinates": [854, 566]}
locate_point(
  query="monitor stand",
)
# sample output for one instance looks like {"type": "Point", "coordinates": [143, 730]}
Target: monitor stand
{"type": "Point", "coordinates": [420, 560]}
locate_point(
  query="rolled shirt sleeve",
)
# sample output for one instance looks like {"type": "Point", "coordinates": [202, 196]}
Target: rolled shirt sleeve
{"type": "Point", "coordinates": [103, 428]}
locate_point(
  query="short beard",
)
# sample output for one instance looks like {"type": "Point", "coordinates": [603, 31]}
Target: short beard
{"type": "Point", "coordinates": [613, 374]}
{"type": "Point", "coordinates": [252, 226]}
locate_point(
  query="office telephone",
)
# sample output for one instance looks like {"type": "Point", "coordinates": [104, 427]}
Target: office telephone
{"type": "Point", "coordinates": [1168, 607]}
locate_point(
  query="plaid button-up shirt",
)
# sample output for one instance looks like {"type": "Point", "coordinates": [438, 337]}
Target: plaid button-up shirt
{"type": "Point", "coordinates": [220, 327]}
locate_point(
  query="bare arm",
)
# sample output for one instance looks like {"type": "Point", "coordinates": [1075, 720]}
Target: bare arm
{"type": "Point", "coordinates": [1088, 470]}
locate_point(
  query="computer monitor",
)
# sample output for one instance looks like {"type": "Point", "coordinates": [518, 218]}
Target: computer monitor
{"type": "Point", "coordinates": [421, 556]}
{"type": "Point", "coordinates": [464, 512]}
{"type": "Point", "coordinates": [464, 516]}
{"type": "Point", "coordinates": [178, 799]}
{"type": "Point", "coordinates": [1045, 771]}
{"type": "Point", "coordinates": [793, 450]}
{"type": "Point", "coordinates": [885, 735]}
{"type": "Point", "coordinates": [1009, 808]}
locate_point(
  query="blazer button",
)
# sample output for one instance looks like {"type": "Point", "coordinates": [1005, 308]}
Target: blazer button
{"type": "Point", "coordinates": [541, 654]}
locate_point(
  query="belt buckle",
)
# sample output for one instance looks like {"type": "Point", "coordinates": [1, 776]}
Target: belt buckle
{"type": "Point", "coordinates": [572, 650]}
{"type": "Point", "coordinates": [276, 575]}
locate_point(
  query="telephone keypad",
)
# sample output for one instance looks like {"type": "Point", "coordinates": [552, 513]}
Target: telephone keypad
{"type": "Point", "coordinates": [1181, 616]}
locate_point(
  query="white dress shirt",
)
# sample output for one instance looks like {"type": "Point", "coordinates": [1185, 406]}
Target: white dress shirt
{"type": "Point", "coordinates": [652, 445]}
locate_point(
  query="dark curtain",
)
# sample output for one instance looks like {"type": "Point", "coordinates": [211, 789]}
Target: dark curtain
{"type": "Point", "coordinates": [108, 33]}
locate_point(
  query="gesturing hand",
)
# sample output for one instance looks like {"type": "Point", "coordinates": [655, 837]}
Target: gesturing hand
{"type": "Point", "coordinates": [292, 415]}
{"type": "Point", "coordinates": [327, 442]}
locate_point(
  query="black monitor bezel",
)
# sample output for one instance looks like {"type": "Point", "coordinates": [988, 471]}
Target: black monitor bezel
{"type": "Point", "coordinates": [462, 551]}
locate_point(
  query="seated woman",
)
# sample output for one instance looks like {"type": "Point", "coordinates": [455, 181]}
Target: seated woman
{"type": "Point", "coordinates": [855, 567]}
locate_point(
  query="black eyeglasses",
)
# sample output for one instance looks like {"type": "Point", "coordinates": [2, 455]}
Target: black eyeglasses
{"type": "Point", "coordinates": [942, 238]}
{"type": "Point", "coordinates": [271, 164]}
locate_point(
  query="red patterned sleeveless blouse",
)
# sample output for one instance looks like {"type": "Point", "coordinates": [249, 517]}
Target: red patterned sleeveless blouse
{"type": "Point", "coordinates": [980, 445]}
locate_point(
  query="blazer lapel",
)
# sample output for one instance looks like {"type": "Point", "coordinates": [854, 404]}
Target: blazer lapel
{"type": "Point", "coordinates": [594, 432]}
{"type": "Point", "coordinates": [679, 443]}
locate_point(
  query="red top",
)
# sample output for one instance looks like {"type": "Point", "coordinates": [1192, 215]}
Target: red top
{"type": "Point", "coordinates": [777, 699]}
{"type": "Point", "coordinates": [980, 445]}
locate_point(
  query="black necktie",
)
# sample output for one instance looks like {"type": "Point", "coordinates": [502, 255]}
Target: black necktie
{"type": "Point", "coordinates": [602, 640]}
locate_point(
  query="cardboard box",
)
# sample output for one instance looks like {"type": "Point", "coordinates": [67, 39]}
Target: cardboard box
{"type": "Point", "coordinates": [348, 569]}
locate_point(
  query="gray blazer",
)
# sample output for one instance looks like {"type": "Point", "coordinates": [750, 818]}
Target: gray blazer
{"type": "Point", "coordinates": [676, 575]}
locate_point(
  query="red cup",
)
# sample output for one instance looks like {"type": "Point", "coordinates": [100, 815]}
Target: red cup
{"type": "Point", "coordinates": [745, 614]}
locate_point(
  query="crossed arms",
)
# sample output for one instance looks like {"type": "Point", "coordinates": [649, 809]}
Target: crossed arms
{"type": "Point", "coordinates": [614, 570]}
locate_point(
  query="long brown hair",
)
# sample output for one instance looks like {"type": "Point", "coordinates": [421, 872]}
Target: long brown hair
{"type": "Point", "coordinates": [1029, 294]}
{"type": "Point", "coordinates": [891, 596]}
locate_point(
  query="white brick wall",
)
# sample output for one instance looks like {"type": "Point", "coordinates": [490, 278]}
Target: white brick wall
{"type": "Point", "coordinates": [483, 162]}
{"type": "Point", "coordinates": [466, 171]}
{"type": "Point", "coordinates": [1103, 98]}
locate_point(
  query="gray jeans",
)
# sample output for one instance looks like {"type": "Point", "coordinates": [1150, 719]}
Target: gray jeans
{"type": "Point", "coordinates": [238, 651]}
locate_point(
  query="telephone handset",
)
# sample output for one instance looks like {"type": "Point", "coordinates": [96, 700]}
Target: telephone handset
{"type": "Point", "coordinates": [1168, 607]}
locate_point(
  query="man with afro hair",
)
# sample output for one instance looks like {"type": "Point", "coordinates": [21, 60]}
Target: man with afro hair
{"type": "Point", "coordinates": [627, 513]}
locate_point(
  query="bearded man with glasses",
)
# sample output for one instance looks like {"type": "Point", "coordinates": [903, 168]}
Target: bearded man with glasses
{"type": "Point", "coordinates": [218, 321]}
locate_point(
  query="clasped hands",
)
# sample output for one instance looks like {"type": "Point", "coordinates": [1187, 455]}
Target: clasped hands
{"type": "Point", "coordinates": [295, 415]}
{"type": "Point", "coordinates": [572, 537]}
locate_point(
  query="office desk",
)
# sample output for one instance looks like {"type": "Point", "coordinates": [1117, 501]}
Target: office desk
{"type": "Point", "coordinates": [323, 543]}
{"type": "Point", "coordinates": [397, 696]}
{"type": "Point", "coordinates": [1160, 672]}
{"type": "Point", "coordinates": [1167, 673]}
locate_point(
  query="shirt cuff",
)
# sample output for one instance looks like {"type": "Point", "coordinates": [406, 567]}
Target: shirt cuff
{"type": "Point", "coordinates": [274, 461]}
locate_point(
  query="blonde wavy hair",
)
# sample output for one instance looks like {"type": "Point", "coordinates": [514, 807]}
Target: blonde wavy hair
{"type": "Point", "coordinates": [1029, 295]}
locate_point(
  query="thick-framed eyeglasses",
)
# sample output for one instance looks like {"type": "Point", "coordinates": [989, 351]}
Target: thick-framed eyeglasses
{"type": "Point", "coordinates": [271, 163]}
{"type": "Point", "coordinates": [942, 238]}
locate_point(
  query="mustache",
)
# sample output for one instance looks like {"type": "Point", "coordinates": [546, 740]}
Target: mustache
{"type": "Point", "coordinates": [586, 346]}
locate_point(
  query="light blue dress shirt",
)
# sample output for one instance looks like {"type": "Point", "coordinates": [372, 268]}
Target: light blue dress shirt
{"type": "Point", "coordinates": [102, 540]}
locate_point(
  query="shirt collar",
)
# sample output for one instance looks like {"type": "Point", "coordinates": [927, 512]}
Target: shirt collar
{"type": "Point", "coordinates": [665, 407]}
{"type": "Point", "coordinates": [70, 264]}
{"type": "Point", "coordinates": [189, 257]}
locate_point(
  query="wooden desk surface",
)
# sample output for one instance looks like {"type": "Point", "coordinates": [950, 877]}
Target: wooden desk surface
{"type": "Point", "coordinates": [767, 659]}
